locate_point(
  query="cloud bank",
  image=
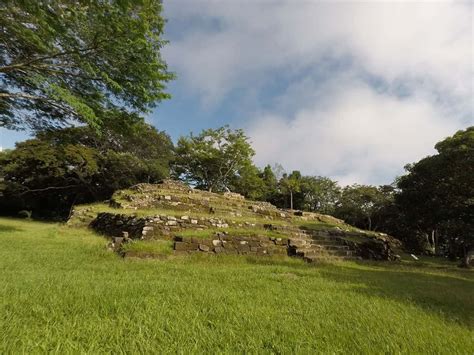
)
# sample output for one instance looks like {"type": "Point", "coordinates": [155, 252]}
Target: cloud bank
{"type": "Point", "coordinates": [353, 90]}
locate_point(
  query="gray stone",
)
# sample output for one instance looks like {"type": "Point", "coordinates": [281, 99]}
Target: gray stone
{"type": "Point", "coordinates": [203, 247]}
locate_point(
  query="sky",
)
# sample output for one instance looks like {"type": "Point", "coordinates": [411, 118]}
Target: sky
{"type": "Point", "coordinates": [351, 90]}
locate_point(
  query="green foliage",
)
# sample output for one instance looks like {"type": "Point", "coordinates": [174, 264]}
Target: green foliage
{"type": "Point", "coordinates": [63, 61]}
{"type": "Point", "coordinates": [290, 184]}
{"type": "Point", "coordinates": [248, 182]}
{"type": "Point", "coordinates": [359, 204]}
{"type": "Point", "coordinates": [76, 165]}
{"type": "Point", "coordinates": [438, 193]}
{"type": "Point", "coordinates": [63, 292]}
{"type": "Point", "coordinates": [320, 194]}
{"type": "Point", "coordinates": [212, 160]}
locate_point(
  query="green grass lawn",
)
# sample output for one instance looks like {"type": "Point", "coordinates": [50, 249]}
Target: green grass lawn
{"type": "Point", "coordinates": [62, 291]}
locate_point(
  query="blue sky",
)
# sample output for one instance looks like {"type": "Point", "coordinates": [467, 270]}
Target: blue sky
{"type": "Point", "coordinates": [350, 90]}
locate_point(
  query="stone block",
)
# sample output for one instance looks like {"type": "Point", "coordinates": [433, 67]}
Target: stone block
{"type": "Point", "coordinates": [203, 247]}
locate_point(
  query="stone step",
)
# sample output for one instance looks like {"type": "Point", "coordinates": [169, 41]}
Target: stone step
{"type": "Point", "coordinates": [330, 247]}
{"type": "Point", "coordinates": [326, 242]}
{"type": "Point", "coordinates": [322, 252]}
{"type": "Point", "coordinates": [313, 259]}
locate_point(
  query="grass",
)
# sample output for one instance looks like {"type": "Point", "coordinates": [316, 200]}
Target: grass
{"type": "Point", "coordinates": [94, 209]}
{"type": "Point", "coordinates": [149, 248]}
{"type": "Point", "coordinates": [62, 291]}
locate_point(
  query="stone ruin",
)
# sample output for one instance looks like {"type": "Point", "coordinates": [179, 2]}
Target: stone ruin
{"type": "Point", "coordinates": [224, 215]}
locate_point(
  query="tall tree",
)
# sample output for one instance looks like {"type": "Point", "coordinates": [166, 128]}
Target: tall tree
{"type": "Point", "coordinates": [360, 203]}
{"type": "Point", "coordinates": [437, 194]}
{"type": "Point", "coordinates": [213, 159]}
{"type": "Point", "coordinates": [63, 61]}
{"type": "Point", "coordinates": [56, 169]}
{"type": "Point", "coordinates": [320, 194]}
{"type": "Point", "coordinates": [291, 184]}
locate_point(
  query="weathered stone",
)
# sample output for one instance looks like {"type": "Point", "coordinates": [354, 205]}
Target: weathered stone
{"type": "Point", "coordinates": [216, 242]}
{"type": "Point", "coordinates": [203, 247]}
{"type": "Point", "coordinates": [218, 250]}
{"type": "Point", "coordinates": [184, 218]}
{"type": "Point", "coordinates": [168, 198]}
{"type": "Point", "coordinates": [194, 221]}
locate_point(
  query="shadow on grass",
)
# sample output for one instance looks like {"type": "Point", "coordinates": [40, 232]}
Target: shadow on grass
{"type": "Point", "coordinates": [448, 296]}
{"type": "Point", "coordinates": [6, 229]}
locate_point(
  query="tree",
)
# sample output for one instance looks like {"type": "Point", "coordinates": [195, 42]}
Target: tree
{"type": "Point", "coordinates": [437, 194]}
{"type": "Point", "coordinates": [57, 169]}
{"type": "Point", "coordinates": [64, 61]}
{"type": "Point", "coordinates": [212, 160]}
{"type": "Point", "coordinates": [290, 184]}
{"type": "Point", "coordinates": [248, 182]}
{"type": "Point", "coordinates": [360, 203]}
{"type": "Point", "coordinates": [320, 194]}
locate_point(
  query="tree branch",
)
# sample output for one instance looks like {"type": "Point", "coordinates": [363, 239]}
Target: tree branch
{"type": "Point", "coordinates": [48, 188]}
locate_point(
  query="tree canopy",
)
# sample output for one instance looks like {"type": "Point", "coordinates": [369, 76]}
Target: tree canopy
{"type": "Point", "coordinates": [58, 168]}
{"type": "Point", "coordinates": [213, 159]}
{"type": "Point", "coordinates": [63, 61]}
{"type": "Point", "coordinates": [438, 192]}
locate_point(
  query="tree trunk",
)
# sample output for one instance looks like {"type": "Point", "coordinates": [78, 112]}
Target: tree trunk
{"type": "Point", "coordinates": [433, 241]}
{"type": "Point", "coordinates": [370, 223]}
{"type": "Point", "coordinates": [468, 257]}
{"type": "Point", "coordinates": [291, 200]}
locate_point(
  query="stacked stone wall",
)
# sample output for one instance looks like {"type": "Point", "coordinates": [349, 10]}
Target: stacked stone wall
{"type": "Point", "coordinates": [227, 244]}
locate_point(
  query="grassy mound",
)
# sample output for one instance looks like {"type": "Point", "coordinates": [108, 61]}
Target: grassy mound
{"type": "Point", "coordinates": [63, 292]}
{"type": "Point", "coordinates": [241, 217]}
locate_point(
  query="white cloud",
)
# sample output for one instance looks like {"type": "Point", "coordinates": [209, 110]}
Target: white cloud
{"type": "Point", "coordinates": [346, 128]}
{"type": "Point", "coordinates": [424, 40]}
{"type": "Point", "coordinates": [359, 136]}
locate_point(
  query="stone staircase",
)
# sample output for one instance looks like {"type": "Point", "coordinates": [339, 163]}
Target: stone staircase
{"type": "Point", "coordinates": [314, 247]}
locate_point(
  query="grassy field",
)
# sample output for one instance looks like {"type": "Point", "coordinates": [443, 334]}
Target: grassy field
{"type": "Point", "coordinates": [62, 291]}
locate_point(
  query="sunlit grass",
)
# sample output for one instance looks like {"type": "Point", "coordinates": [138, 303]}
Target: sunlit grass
{"type": "Point", "coordinates": [63, 292]}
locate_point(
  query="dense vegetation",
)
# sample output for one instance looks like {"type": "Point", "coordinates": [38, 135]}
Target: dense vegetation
{"type": "Point", "coordinates": [63, 292]}
{"type": "Point", "coordinates": [63, 61]}
{"type": "Point", "coordinates": [50, 173]}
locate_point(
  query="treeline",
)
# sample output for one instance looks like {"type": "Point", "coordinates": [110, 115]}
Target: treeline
{"type": "Point", "coordinates": [430, 208]}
